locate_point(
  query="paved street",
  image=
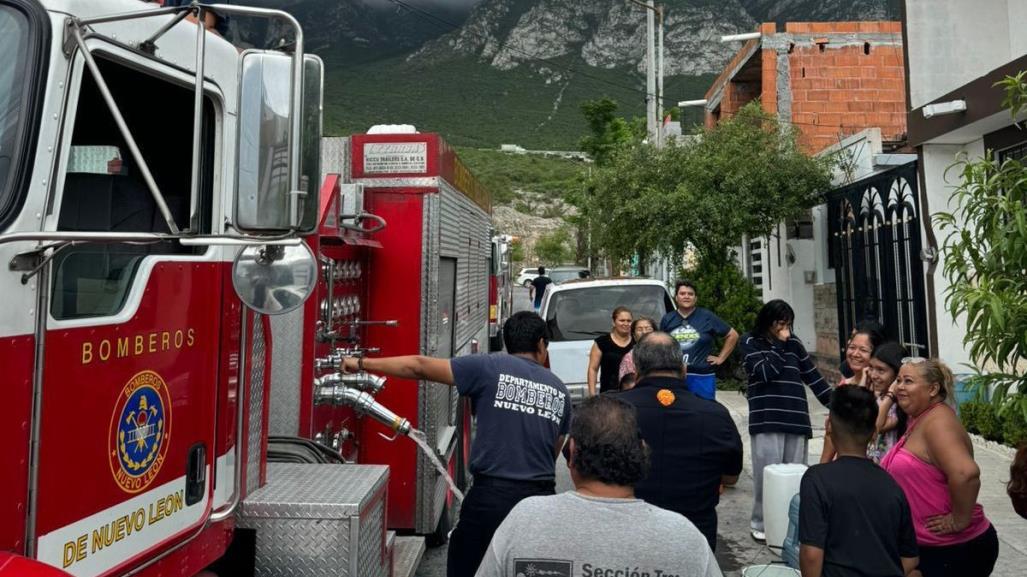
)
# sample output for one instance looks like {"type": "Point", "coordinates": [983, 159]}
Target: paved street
{"type": "Point", "coordinates": [736, 550]}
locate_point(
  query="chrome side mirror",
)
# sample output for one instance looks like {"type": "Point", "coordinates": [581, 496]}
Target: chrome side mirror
{"type": "Point", "coordinates": [271, 195]}
{"type": "Point", "coordinates": [274, 279]}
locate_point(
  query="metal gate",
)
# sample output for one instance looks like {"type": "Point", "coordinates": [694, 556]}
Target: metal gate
{"type": "Point", "coordinates": [875, 234]}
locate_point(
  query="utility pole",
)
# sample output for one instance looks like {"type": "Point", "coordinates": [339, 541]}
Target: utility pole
{"type": "Point", "coordinates": [653, 70]}
{"type": "Point", "coordinates": [659, 77]}
{"type": "Point", "coordinates": [650, 71]}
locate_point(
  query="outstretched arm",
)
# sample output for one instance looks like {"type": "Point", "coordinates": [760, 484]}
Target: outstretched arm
{"type": "Point", "coordinates": [409, 367]}
{"type": "Point", "coordinates": [811, 375]}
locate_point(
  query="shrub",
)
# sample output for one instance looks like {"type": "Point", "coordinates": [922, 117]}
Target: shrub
{"type": "Point", "coordinates": [969, 414]}
{"type": "Point", "coordinates": [984, 256]}
{"type": "Point", "coordinates": [988, 422]}
{"type": "Point", "coordinates": [1014, 426]}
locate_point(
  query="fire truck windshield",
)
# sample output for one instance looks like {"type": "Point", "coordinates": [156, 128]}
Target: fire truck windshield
{"type": "Point", "coordinates": [14, 46]}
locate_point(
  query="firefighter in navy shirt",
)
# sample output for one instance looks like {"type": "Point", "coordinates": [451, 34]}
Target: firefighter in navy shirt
{"type": "Point", "coordinates": [523, 414]}
{"type": "Point", "coordinates": [695, 329]}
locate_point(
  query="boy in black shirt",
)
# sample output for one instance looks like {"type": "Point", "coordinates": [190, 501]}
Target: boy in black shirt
{"type": "Point", "coordinates": [853, 518]}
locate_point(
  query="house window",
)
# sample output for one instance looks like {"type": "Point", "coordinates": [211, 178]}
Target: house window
{"type": "Point", "coordinates": [1017, 152]}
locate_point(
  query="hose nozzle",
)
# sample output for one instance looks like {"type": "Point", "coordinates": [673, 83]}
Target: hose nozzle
{"type": "Point", "coordinates": [363, 403]}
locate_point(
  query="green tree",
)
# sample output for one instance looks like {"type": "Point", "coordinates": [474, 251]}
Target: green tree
{"type": "Point", "coordinates": [740, 178]}
{"type": "Point", "coordinates": [985, 256]}
{"type": "Point", "coordinates": [516, 251]}
{"type": "Point", "coordinates": [609, 132]}
{"type": "Point", "coordinates": [554, 247]}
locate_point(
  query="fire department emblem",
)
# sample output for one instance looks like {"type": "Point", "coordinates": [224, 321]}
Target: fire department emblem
{"type": "Point", "coordinates": [140, 427]}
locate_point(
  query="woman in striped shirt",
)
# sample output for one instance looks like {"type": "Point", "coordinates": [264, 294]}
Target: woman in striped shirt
{"type": "Point", "coordinates": [779, 370]}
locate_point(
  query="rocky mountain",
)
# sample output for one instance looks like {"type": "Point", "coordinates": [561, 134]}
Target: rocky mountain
{"type": "Point", "coordinates": [607, 34]}
{"type": "Point", "coordinates": [500, 71]}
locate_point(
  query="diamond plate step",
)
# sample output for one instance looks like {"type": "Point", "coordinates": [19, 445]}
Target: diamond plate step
{"type": "Point", "coordinates": [406, 556]}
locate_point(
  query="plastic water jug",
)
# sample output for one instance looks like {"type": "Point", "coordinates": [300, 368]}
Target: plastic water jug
{"type": "Point", "coordinates": [780, 484]}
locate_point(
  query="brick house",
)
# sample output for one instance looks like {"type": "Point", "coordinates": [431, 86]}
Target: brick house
{"type": "Point", "coordinates": [842, 85]}
{"type": "Point", "coordinates": [830, 79]}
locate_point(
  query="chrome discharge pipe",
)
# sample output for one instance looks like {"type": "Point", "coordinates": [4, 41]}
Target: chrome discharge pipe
{"type": "Point", "coordinates": [364, 404]}
{"type": "Point", "coordinates": [361, 381]}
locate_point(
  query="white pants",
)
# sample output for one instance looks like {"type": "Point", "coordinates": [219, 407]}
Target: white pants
{"type": "Point", "coordinates": [771, 449]}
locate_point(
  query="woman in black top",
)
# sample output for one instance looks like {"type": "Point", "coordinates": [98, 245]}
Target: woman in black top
{"type": "Point", "coordinates": [607, 352]}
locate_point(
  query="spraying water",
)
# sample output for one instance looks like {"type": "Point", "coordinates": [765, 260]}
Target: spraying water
{"type": "Point", "coordinates": [421, 440]}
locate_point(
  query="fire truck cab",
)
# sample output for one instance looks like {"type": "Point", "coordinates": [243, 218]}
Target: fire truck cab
{"type": "Point", "coordinates": [187, 263]}
{"type": "Point", "coordinates": [155, 185]}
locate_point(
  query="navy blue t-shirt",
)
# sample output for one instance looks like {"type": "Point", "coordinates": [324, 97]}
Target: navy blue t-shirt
{"type": "Point", "coordinates": [695, 334]}
{"type": "Point", "coordinates": [521, 409]}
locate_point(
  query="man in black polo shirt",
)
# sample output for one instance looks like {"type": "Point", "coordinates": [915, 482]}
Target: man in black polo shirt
{"type": "Point", "coordinates": [523, 413]}
{"type": "Point", "coordinates": [853, 517]}
{"type": "Point", "coordinates": [695, 444]}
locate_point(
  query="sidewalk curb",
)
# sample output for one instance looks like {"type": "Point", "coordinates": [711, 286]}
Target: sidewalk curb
{"type": "Point", "coordinates": [1004, 451]}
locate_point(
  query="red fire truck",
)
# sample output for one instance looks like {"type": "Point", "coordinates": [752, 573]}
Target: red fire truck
{"type": "Point", "coordinates": [158, 190]}
{"type": "Point", "coordinates": [406, 245]}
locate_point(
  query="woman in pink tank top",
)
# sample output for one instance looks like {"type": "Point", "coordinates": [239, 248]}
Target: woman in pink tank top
{"type": "Point", "coordinates": [933, 463]}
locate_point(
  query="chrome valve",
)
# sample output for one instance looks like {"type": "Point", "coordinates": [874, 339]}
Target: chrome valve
{"type": "Point", "coordinates": [363, 403]}
{"type": "Point", "coordinates": [361, 381]}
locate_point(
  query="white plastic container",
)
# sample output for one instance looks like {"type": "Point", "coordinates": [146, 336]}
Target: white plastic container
{"type": "Point", "coordinates": [780, 484]}
{"type": "Point", "coordinates": [769, 571]}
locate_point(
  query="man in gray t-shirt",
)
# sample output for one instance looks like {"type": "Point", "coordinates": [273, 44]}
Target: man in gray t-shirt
{"type": "Point", "coordinates": [600, 528]}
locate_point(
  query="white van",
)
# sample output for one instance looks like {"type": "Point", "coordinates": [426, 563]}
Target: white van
{"type": "Point", "coordinates": [578, 311]}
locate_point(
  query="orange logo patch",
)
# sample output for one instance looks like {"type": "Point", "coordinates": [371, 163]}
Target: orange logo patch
{"type": "Point", "coordinates": [666, 397]}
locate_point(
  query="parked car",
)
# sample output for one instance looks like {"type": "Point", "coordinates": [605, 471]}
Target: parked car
{"type": "Point", "coordinates": [527, 275]}
{"type": "Point", "coordinates": [566, 273]}
{"type": "Point", "coordinates": [578, 311]}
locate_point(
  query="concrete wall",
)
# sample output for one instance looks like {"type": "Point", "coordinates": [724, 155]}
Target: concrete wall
{"type": "Point", "coordinates": [936, 158]}
{"type": "Point", "coordinates": [951, 42]}
{"type": "Point", "coordinates": [825, 349]}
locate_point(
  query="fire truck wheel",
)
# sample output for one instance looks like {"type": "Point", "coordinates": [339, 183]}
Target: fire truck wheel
{"type": "Point", "coordinates": [440, 536]}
